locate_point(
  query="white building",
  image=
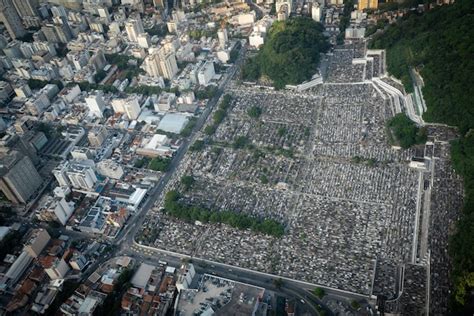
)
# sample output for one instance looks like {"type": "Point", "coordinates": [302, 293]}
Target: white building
{"type": "Point", "coordinates": [18, 268]}
{"type": "Point", "coordinates": [97, 135]}
{"type": "Point", "coordinates": [156, 146]}
{"type": "Point", "coordinates": [256, 39]}
{"type": "Point", "coordinates": [168, 65]}
{"type": "Point", "coordinates": [110, 168]}
{"type": "Point", "coordinates": [246, 18]}
{"type": "Point", "coordinates": [128, 106]}
{"type": "Point", "coordinates": [316, 12]}
{"type": "Point", "coordinates": [58, 269]}
{"type": "Point", "coordinates": [133, 27]}
{"type": "Point", "coordinates": [284, 5]}
{"type": "Point", "coordinates": [259, 32]}
{"type": "Point", "coordinates": [61, 209]}
{"type": "Point", "coordinates": [164, 102]}
{"type": "Point", "coordinates": [144, 40]}
{"type": "Point", "coordinates": [187, 97]}
{"type": "Point", "coordinates": [223, 37]}
{"type": "Point", "coordinates": [223, 56]}
{"type": "Point", "coordinates": [141, 277]}
{"type": "Point", "coordinates": [206, 73]}
{"type": "Point", "coordinates": [96, 104]}
{"type": "Point", "coordinates": [114, 28]}
{"type": "Point", "coordinates": [37, 241]}
{"type": "Point", "coordinates": [82, 153]}
{"type": "Point", "coordinates": [60, 174]}
{"type": "Point", "coordinates": [355, 32]}
{"type": "Point", "coordinates": [81, 176]}
{"type": "Point", "coordinates": [185, 277]}
{"type": "Point", "coordinates": [173, 123]}
{"type": "Point", "coordinates": [152, 65]}
{"type": "Point", "coordinates": [78, 261]}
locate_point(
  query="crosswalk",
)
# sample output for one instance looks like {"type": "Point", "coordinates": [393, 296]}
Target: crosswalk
{"type": "Point", "coordinates": [143, 251]}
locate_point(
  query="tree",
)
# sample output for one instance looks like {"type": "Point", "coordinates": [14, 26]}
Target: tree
{"type": "Point", "coordinates": [210, 129]}
{"type": "Point", "coordinates": [207, 93]}
{"type": "Point", "coordinates": [254, 112]}
{"type": "Point", "coordinates": [159, 164]}
{"type": "Point", "coordinates": [355, 305]}
{"type": "Point", "coordinates": [175, 207]}
{"type": "Point", "coordinates": [319, 292]}
{"type": "Point", "coordinates": [197, 146]}
{"type": "Point", "coordinates": [290, 54]}
{"type": "Point", "coordinates": [278, 283]}
{"type": "Point", "coordinates": [158, 30]}
{"type": "Point", "coordinates": [139, 163]}
{"type": "Point", "coordinates": [99, 76]}
{"type": "Point", "coordinates": [281, 131]}
{"type": "Point", "coordinates": [405, 131]}
{"type": "Point", "coordinates": [187, 182]}
{"type": "Point", "coordinates": [187, 130]}
{"type": "Point", "coordinates": [240, 142]}
{"type": "Point", "coordinates": [218, 116]}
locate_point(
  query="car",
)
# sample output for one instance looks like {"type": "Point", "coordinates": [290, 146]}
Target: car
{"type": "Point", "coordinates": [302, 301]}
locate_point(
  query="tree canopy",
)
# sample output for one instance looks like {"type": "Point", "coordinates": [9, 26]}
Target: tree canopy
{"type": "Point", "coordinates": [439, 44]}
{"type": "Point", "coordinates": [290, 54]}
{"type": "Point", "coordinates": [405, 131]}
{"type": "Point", "coordinates": [175, 207]}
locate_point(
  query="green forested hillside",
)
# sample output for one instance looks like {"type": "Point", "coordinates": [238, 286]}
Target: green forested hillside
{"type": "Point", "coordinates": [290, 54]}
{"type": "Point", "coordinates": [440, 44]}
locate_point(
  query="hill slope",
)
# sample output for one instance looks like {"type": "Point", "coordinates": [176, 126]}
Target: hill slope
{"type": "Point", "coordinates": [440, 44]}
{"type": "Point", "coordinates": [290, 54]}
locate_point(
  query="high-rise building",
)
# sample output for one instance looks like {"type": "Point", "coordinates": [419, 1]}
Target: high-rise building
{"type": "Point", "coordinates": [10, 18]}
{"type": "Point", "coordinates": [152, 65]}
{"type": "Point", "coordinates": [57, 269]}
{"type": "Point", "coordinates": [168, 65]}
{"type": "Point", "coordinates": [205, 73]}
{"type": "Point", "coordinates": [27, 10]}
{"type": "Point", "coordinates": [59, 11]}
{"type": "Point", "coordinates": [223, 37]}
{"type": "Point", "coordinates": [57, 33]}
{"type": "Point", "coordinates": [23, 144]}
{"type": "Point", "coordinates": [96, 104]}
{"type": "Point", "coordinates": [60, 174]}
{"type": "Point", "coordinates": [26, 7]}
{"type": "Point", "coordinates": [133, 28]}
{"type": "Point", "coordinates": [98, 60]}
{"type": "Point", "coordinates": [19, 179]}
{"type": "Point", "coordinates": [367, 4]}
{"type": "Point", "coordinates": [104, 14]}
{"type": "Point", "coordinates": [97, 136]}
{"type": "Point", "coordinates": [61, 209]}
{"type": "Point", "coordinates": [50, 33]}
{"type": "Point", "coordinates": [128, 106]}
{"type": "Point", "coordinates": [81, 176]}
{"type": "Point", "coordinates": [37, 241]}
{"type": "Point", "coordinates": [316, 12]}
{"type": "Point", "coordinates": [63, 30]}
{"type": "Point", "coordinates": [144, 40]}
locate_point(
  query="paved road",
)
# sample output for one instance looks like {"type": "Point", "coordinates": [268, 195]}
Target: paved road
{"type": "Point", "coordinates": [240, 275]}
{"type": "Point", "coordinates": [127, 235]}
